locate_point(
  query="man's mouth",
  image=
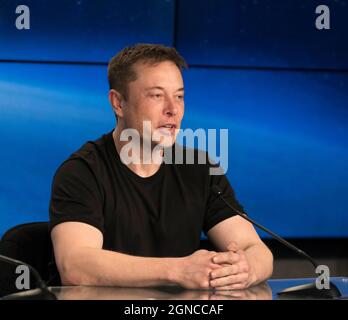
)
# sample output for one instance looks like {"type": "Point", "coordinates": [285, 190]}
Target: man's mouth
{"type": "Point", "coordinates": [168, 129]}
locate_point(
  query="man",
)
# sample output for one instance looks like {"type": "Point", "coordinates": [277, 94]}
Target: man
{"type": "Point", "coordinates": [138, 223]}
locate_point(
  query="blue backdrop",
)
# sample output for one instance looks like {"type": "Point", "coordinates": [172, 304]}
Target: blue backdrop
{"type": "Point", "coordinates": [259, 68]}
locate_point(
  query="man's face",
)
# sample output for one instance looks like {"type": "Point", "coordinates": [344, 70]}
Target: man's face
{"type": "Point", "coordinates": [157, 95]}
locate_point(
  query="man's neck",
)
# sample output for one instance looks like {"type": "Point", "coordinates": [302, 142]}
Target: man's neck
{"type": "Point", "coordinates": [141, 169]}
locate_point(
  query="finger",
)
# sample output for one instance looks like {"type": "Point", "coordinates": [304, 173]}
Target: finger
{"type": "Point", "coordinates": [241, 253]}
{"type": "Point", "coordinates": [215, 266]}
{"type": "Point", "coordinates": [232, 246]}
{"type": "Point", "coordinates": [229, 280]}
{"type": "Point", "coordinates": [244, 267]}
{"type": "Point", "coordinates": [226, 257]}
{"type": "Point", "coordinates": [225, 271]}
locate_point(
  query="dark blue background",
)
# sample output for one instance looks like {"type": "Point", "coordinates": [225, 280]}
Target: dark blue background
{"type": "Point", "coordinates": [259, 68]}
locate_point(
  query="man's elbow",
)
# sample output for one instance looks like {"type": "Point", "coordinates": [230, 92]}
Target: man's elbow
{"type": "Point", "coordinates": [69, 279]}
{"type": "Point", "coordinates": [69, 276]}
{"type": "Point", "coordinates": [72, 274]}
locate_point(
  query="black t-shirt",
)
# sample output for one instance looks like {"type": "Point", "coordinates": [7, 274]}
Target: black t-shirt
{"type": "Point", "coordinates": [158, 216]}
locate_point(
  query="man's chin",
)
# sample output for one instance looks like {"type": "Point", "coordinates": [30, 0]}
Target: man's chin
{"type": "Point", "coordinates": [165, 143]}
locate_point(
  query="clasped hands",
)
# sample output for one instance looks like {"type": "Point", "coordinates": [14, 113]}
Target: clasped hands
{"type": "Point", "coordinates": [234, 273]}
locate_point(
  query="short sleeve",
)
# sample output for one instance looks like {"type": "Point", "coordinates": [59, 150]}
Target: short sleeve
{"type": "Point", "coordinates": [217, 210]}
{"type": "Point", "coordinates": [76, 196]}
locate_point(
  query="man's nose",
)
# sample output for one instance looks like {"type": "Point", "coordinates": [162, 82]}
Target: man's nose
{"type": "Point", "coordinates": [170, 109]}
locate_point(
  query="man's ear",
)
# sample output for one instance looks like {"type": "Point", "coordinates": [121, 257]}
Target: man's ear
{"type": "Point", "coordinates": [117, 102]}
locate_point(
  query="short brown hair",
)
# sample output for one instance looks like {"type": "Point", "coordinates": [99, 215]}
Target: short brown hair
{"type": "Point", "coordinates": [120, 71]}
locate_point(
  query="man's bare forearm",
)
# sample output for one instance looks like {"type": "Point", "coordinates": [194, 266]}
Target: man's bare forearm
{"type": "Point", "coordinates": [260, 259]}
{"type": "Point", "coordinates": [97, 267]}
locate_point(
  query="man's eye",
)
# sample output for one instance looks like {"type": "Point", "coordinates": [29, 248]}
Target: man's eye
{"type": "Point", "coordinates": [181, 97]}
{"type": "Point", "coordinates": [157, 96]}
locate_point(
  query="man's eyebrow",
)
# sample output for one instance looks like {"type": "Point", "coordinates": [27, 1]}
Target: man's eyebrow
{"type": "Point", "coordinates": [155, 87]}
{"type": "Point", "coordinates": [161, 88]}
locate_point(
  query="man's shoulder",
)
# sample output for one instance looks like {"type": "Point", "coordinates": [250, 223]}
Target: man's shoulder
{"type": "Point", "coordinates": [92, 147]}
{"type": "Point", "coordinates": [90, 155]}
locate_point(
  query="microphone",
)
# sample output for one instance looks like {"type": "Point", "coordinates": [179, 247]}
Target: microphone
{"type": "Point", "coordinates": [303, 291]}
{"type": "Point", "coordinates": [40, 293]}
